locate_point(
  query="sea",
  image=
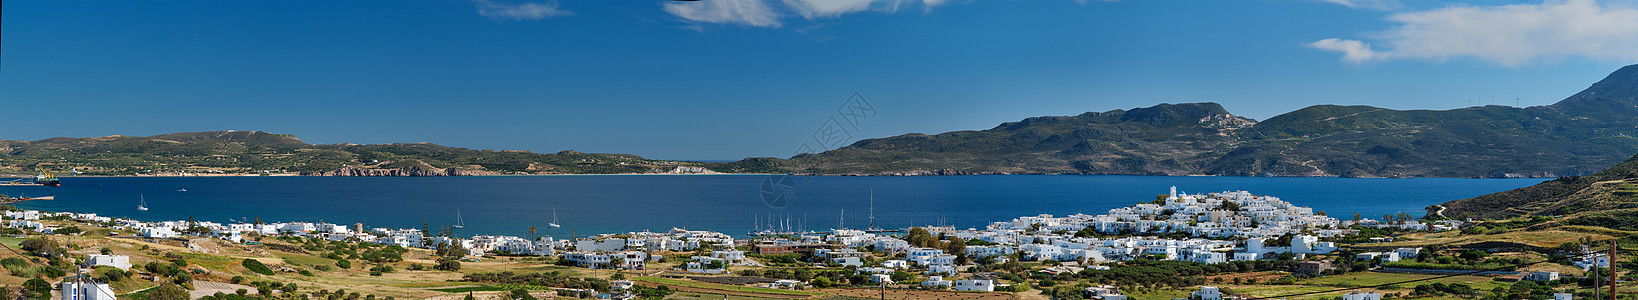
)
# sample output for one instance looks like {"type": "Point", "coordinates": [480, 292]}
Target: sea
{"type": "Point", "coordinates": [734, 204]}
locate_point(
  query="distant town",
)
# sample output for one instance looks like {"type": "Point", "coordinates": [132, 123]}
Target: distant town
{"type": "Point", "coordinates": [1212, 229]}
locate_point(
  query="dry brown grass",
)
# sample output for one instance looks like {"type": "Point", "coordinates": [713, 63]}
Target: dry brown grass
{"type": "Point", "coordinates": [1540, 238]}
{"type": "Point", "coordinates": [914, 294]}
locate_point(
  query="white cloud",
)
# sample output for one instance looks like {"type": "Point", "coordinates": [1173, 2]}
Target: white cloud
{"type": "Point", "coordinates": [1367, 4]}
{"type": "Point", "coordinates": [1354, 52]}
{"type": "Point", "coordinates": [1510, 35]}
{"type": "Point", "coordinates": [744, 12]}
{"type": "Point", "coordinates": [768, 13]}
{"type": "Point", "coordinates": [814, 9]}
{"type": "Point", "coordinates": [519, 11]}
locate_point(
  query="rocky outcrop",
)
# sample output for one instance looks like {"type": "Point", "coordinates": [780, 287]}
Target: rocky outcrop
{"type": "Point", "coordinates": [401, 172]}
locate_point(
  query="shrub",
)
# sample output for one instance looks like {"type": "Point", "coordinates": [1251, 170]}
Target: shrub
{"type": "Point", "coordinates": [52, 272]}
{"type": "Point", "coordinates": [256, 266]}
{"type": "Point", "coordinates": [449, 265]}
{"type": "Point", "coordinates": [344, 264]}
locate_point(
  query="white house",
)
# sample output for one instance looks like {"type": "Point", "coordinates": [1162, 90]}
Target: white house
{"type": "Point", "coordinates": [587, 259]}
{"type": "Point", "coordinates": [1357, 295]}
{"type": "Point", "coordinates": [1408, 253]}
{"type": "Point", "coordinates": [1209, 257]}
{"type": "Point", "coordinates": [1542, 276]}
{"type": "Point", "coordinates": [848, 261]}
{"type": "Point", "coordinates": [703, 264]}
{"type": "Point", "coordinates": [603, 245]}
{"type": "Point", "coordinates": [86, 290]}
{"type": "Point", "coordinates": [1598, 260]}
{"type": "Point", "coordinates": [1105, 292]}
{"type": "Point", "coordinates": [941, 269]}
{"type": "Point", "coordinates": [936, 282]}
{"type": "Point", "coordinates": [117, 261]}
{"type": "Point", "coordinates": [732, 256]}
{"type": "Point", "coordinates": [973, 285]}
{"type": "Point", "coordinates": [158, 232]}
{"type": "Point", "coordinates": [896, 264]}
{"type": "Point", "coordinates": [881, 279]}
{"type": "Point", "coordinates": [1209, 293]}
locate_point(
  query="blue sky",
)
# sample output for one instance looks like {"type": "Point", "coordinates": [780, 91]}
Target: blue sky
{"type": "Point", "coordinates": [726, 79]}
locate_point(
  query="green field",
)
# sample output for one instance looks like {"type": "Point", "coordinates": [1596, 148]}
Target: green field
{"type": "Point", "coordinates": [11, 241]}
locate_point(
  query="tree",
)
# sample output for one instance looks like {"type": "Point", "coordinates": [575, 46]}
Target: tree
{"type": "Point", "coordinates": [44, 247]}
{"type": "Point", "coordinates": [167, 291]}
{"type": "Point", "coordinates": [521, 294]}
{"type": "Point", "coordinates": [822, 282]}
{"type": "Point", "coordinates": [1357, 217]}
{"type": "Point", "coordinates": [956, 246]}
{"type": "Point", "coordinates": [531, 233]}
{"type": "Point", "coordinates": [919, 237]}
{"type": "Point", "coordinates": [36, 289]}
{"type": "Point", "coordinates": [449, 265]}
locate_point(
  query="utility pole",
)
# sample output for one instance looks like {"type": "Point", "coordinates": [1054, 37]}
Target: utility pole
{"type": "Point", "coordinates": [1612, 269]}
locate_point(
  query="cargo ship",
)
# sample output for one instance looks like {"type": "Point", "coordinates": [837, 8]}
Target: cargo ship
{"type": "Point", "coordinates": [46, 179]}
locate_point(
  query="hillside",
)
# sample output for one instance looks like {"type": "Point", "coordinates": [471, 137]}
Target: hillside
{"type": "Point", "coordinates": [1588, 131]}
{"type": "Point", "coordinates": [1613, 190]}
{"type": "Point", "coordinates": [256, 152]}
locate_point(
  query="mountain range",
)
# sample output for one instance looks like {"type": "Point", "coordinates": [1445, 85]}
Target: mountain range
{"type": "Point", "coordinates": [1585, 132]}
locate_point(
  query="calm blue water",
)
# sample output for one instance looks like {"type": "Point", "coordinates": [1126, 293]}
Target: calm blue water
{"type": "Point", "coordinates": [728, 203]}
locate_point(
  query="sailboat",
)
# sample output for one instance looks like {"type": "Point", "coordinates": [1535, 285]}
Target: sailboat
{"type": "Point", "coordinates": [872, 228]}
{"type": "Point", "coordinates": [143, 205]}
{"type": "Point", "coordinates": [553, 224]}
{"type": "Point", "coordinates": [458, 222]}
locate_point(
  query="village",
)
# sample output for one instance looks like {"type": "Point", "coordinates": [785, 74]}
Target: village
{"type": "Point", "coordinates": [1216, 229]}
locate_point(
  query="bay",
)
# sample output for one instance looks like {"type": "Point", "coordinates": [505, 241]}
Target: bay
{"type": "Point", "coordinates": [594, 204]}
